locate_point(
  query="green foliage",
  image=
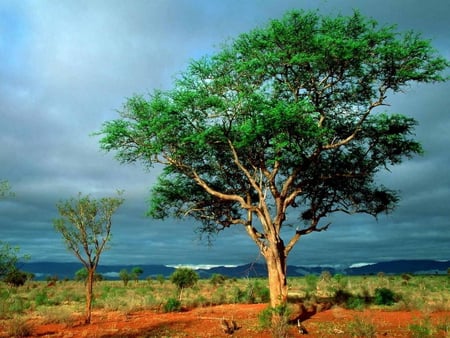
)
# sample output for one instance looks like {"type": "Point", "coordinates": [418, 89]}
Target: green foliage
{"type": "Point", "coordinates": [281, 120]}
{"type": "Point", "coordinates": [125, 276]}
{"type": "Point", "coordinates": [384, 296]}
{"type": "Point", "coordinates": [41, 298]}
{"type": "Point", "coordinates": [160, 279]}
{"type": "Point", "coordinates": [172, 305]}
{"type": "Point", "coordinates": [341, 280]}
{"type": "Point", "coordinates": [5, 190]}
{"type": "Point", "coordinates": [311, 283]}
{"type": "Point", "coordinates": [238, 295]}
{"type": "Point", "coordinates": [275, 97]}
{"type": "Point", "coordinates": [85, 225]}
{"type": "Point", "coordinates": [217, 279]}
{"type": "Point", "coordinates": [136, 272]}
{"type": "Point", "coordinates": [355, 303]}
{"type": "Point", "coordinates": [276, 319]}
{"type": "Point", "coordinates": [9, 257]}
{"type": "Point", "coordinates": [257, 292]}
{"type": "Point", "coordinates": [81, 274]}
{"type": "Point", "coordinates": [184, 278]}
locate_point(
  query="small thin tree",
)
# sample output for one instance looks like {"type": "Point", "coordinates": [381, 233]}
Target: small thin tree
{"type": "Point", "coordinates": [85, 225]}
{"type": "Point", "coordinates": [184, 278]}
{"type": "Point", "coordinates": [136, 272]}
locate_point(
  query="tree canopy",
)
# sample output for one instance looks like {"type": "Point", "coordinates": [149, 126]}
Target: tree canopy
{"type": "Point", "coordinates": [284, 125]}
{"type": "Point", "coordinates": [5, 189]}
{"type": "Point", "coordinates": [85, 224]}
{"type": "Point", "coordinates": [8, 258]}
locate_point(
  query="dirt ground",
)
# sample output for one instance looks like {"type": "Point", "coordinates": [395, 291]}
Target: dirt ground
{"type": "Point", "coordinates": [206, 322]}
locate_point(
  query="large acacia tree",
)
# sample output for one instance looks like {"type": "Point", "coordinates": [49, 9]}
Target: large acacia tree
{"type": "Point", "coordinates": [85, 225]}
{"type": "Point", "coordinates": [282, 126]}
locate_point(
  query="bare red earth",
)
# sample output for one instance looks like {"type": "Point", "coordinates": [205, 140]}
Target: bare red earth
{"type": "Point", "coordinates": [205, 322]}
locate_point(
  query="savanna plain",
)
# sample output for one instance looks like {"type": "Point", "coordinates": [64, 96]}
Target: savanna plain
{"type": "Point", "coordinates": [323, 306]}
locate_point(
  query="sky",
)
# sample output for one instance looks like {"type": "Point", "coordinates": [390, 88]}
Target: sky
{"type": "Point", "coordinates": [68, 66]}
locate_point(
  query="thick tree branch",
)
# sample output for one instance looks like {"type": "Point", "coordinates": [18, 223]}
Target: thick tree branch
{"type": "Point", "coordinates": [299, 233]}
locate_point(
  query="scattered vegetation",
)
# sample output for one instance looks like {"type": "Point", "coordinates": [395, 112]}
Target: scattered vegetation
{"type": "Point", "coordinates": [58, 303]}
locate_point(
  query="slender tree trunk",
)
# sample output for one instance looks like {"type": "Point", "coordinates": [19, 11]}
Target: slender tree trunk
{"type": "Point", "coordinates": [89, 292]}
{"type": "Point", "coordinates": [276, 268]}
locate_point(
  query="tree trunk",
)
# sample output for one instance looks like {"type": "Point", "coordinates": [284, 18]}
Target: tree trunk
{"type": "Point", "coordinates": [276, 268]}
{"type": "Point", "coordinates": [89, 291]}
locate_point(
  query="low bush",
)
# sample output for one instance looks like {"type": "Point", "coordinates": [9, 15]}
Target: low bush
{"type": "Point", "coordinates": [217, 279]}
{"type": "Point", "coordinates": [276, 319]}
{"type": "Point", "coordinates": [355, 303]}
{"type": "Point", "coordinates": [384, 296]}
{"type": "Point", "coordinates": [172, 305]}
{"type": "Point", "coordinates": [41, 298]}
{"type": "Point", "coordinates": [256, 292]}
{"type": "Point", "coordinates": [16, 278]}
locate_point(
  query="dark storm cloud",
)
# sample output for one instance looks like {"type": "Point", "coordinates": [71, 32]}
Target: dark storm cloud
{"type": "Point", "coordinates": [68, 65]}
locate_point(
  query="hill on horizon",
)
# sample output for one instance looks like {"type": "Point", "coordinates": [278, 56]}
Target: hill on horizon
{"type": "Point", "coordinates": [43, 270]}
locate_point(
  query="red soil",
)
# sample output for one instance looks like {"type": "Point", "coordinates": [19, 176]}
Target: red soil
{"type": "Point", "coordinates": [205, 322]}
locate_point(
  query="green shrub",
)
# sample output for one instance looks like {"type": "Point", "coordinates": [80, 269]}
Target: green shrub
{"type": "Point", "coordinates": [41, 298]}
{"type": "Point", "coordinates": [278, 327]}
{"type": "Point", "coordinates": [341, 280]}
{"type": "Point", "coordinates": [384, 296]}
{"type": "Point", "coordinates": [239, 296]}
{"type": "Point", "coordinates": [256, 293]}
{"type": "Point", "coordinates": [172, 305]}
{"type": "Point", "coordinates": [125, 276]}
{"type": "Point", "coordinates": [355, 303]}
{"type": "Point", "coordinates": [217, 279]}
{"type": "Point", "coordinates": [311, 284]}
{"type": "Point", "coordinates": [18, 305]}
{"type": "Point", "coordinates": [16, 278]}
{"type": "Point", "coordinates": [160, 279]}
{"type": "Point", "coordinates": [219, 296]}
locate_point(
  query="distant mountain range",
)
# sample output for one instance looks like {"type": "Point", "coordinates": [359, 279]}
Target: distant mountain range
{"type": "Point", "coordinates": [42, 270]}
